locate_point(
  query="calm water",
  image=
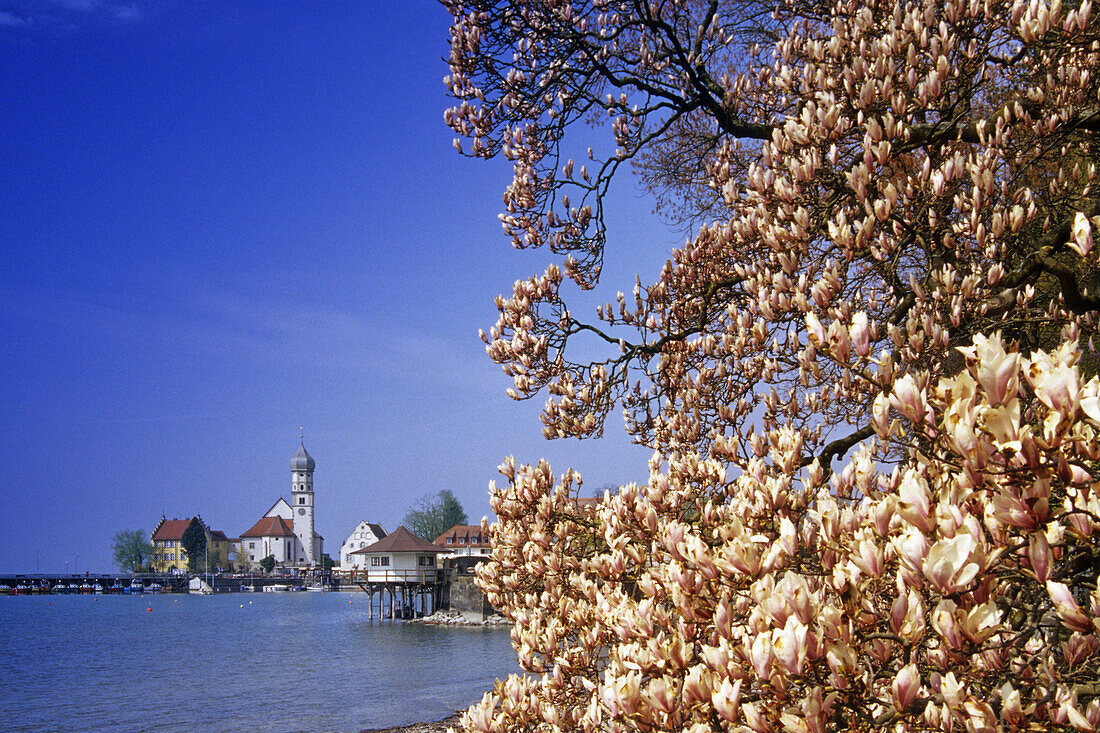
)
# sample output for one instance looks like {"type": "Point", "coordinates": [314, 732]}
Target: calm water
{"type": "Point", "coordinates": [282, 662]}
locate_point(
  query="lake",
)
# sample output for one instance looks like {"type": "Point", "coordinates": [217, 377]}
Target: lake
{"type": "Point", "coordinates": [234, 662]}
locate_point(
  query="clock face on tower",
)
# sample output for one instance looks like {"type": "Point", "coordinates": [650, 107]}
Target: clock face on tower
{"type": "Point", "coordinates": [301, 511]}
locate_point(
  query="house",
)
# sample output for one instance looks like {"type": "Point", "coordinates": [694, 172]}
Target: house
{"type": "Point", "coordinates": [400, 557]}
{"type": "Point", "coordinates": [168, 551]}
{"type": "Point", "coordinates": [465, 539]}
{"type": "Point", "coordinates": [285, 531]}
{"type": "Point", "coordinates": [218, 548]}
{"type": "Point", "coordinates": [365, 533]}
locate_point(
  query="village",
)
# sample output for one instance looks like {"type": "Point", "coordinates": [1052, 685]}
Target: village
{"type": "Point", "coordinates": [283, 542]}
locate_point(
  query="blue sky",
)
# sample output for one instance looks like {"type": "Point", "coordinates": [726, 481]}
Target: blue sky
{"type": "Point", "coordinates": [223, 221]}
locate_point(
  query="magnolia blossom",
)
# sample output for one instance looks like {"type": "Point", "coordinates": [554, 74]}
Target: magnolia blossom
{"type": "Point", "coordinates": [866, 378]}
{"type": "Point", "coordinates": [950, 563]}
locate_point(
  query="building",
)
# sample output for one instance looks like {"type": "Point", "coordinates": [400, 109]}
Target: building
{"type": "Point", "coordinates": [365, 533]}
{"type": "Point", "coordinates": [218, 549]}
{"type": "Point", "coordinates": [465, 539]}
{"type": "Point", "coordinates": [400, 557]}
{"type": "Point", "coordinates": [168, 551]}
{"type": "Point", "coordinates": [286, 531]}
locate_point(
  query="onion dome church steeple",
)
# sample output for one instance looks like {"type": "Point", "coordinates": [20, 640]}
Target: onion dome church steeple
{"type": "Point", "coordinates": [302, 461]}
{"type": "Point", "coordinates": [301, 500]}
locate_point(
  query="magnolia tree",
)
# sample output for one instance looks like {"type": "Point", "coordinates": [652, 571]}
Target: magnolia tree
{"type": "Point", "coordinates": [873, 497]}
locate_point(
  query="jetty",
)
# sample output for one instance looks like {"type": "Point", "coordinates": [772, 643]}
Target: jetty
{"type": "Point", "coordinates": [402, 594]}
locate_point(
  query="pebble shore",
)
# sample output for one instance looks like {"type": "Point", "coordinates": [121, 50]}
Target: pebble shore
{"type": "Point", "coordinates": [454, 618]}
{"type": "Point", "coordinates": [439, 726]}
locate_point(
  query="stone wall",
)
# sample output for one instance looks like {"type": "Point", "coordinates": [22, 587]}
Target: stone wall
{"type": "Point", "coordinates": [467, 599]}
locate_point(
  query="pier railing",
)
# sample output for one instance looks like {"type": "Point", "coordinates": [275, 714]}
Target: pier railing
{"type": "Point", "coordinates": [419, 576]}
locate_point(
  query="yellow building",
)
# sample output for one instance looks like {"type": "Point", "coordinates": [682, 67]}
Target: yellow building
{"type": "Point", "coordinates": [168, 552]}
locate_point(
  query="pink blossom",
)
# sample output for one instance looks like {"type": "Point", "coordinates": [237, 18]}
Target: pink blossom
{"type": "Point", "coordinates": [861, 333]}
{"type": "Point", "coordinates": [789, 646]}
{"type": "Point", "coordinates": [906, 686]}
{"type": "Point", "coordinates": [727, 698]}
{"type": "Point", "coordinates": [1081, 241]}
{"type": "Point", "coordinates": [997, 371]}
{"type": "Point", "coordinates": [1038, 553]}
{"type": "Point", "coordinates": [949, 564]}
{"type": "Point", "coordinates": [914, 506]}
{"type": "Point", "coordinates": [1067, 608]}
{"type": "Point", "coordinates": [908, 399]}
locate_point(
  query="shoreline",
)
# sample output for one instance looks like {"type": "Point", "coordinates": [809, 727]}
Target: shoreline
{"type": "Point", "coordinates": [438, 726]}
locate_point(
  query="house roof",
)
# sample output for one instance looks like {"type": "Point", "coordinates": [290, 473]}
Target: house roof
{"type": "Point", "coordinates": [468, 532]}
{"type": "Point", "coordinates": [218, 536]}
{"type": "Point", "coordinates": [171, 529]}
{"type": "Point", "coordinates": [377, 529]}
{"type": "Point", "coordinates": [587, 505]}
{"type": "Point", "coordinates": [270, 527]}
{"type": "Point", "coordinates": [399, 540]}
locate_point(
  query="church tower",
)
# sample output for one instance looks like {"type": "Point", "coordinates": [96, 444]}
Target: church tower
{"type": "Point", "coordinates": [301, 500]}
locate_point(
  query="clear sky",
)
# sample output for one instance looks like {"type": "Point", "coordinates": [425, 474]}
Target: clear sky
{"type": "Point", "coordinates": [223, 221]}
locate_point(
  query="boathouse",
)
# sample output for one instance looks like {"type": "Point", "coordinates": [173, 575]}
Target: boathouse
{"type": "Point", "coordinates": [399, 557]}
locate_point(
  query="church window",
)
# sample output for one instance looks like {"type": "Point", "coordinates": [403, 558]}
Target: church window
{"type": "Point", "coordinates": [301, 500]}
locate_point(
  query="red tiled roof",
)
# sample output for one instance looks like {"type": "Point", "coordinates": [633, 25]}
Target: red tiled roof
{"type": "Point", "coordinates": [270, 527]}
{"type": "Point", "coordinates": [399, 540]}
{"type": "Point", "coordinates": [471, 533]}
{"type": "Point", "coordinates": [171, 529]}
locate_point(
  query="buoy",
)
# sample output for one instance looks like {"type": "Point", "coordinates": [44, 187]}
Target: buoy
{"type": "Point", "coordinates": [150, 609]}
{"type": "Point", "coordinates": [242, 605]}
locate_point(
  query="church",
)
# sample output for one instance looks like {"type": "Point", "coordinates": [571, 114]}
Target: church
{"type": "Point", "coordinates": [286, 531]}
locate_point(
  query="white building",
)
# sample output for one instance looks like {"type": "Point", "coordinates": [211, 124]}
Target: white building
{"type": "Point", "coordinates": [286, 530]}
{"type": "Point", "coordinates": [400, 557]}
{"type": "Point", "coordinates": [365, 533]}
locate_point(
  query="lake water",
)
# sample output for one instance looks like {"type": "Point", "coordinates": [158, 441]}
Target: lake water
{"type": "Point", "coordinates": [235, 662]}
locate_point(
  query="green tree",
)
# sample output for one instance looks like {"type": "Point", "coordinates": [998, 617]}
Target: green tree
{"type": "Point", "coordinates": [268, 563]}
{"type": "Point", "coordinates": [131, 550]}
{"type": "Point", "coordinates": [433, 515]}
{"type": "Point", "coordinates": [194, 543]}
{"type": "Point", "coordinates": [326, 562]}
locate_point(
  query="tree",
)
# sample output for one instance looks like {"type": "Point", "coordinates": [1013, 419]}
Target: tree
{"type": "Point", "coordinates": [238, 558]}
{"type": "Point", "coordinates": [433, 515]}
{"type": "Point", "coordinates": [326, 563]}
{"type": "Point", "coordinates": [131, 550]}
{"type": "Point", "coordinates": [873, 498]}
{"type": "Point", "coordinates": [268, 564]}
{"type": "Point", "coordinates": [194, 544]}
